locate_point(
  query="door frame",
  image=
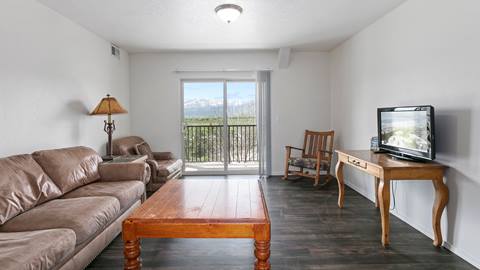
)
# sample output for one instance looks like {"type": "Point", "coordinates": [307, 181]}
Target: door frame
{"type": "Point", "coordinates": [225, 125]}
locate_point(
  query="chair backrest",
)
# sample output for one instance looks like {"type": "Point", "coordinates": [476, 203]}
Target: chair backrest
{"type": "Point", "coordinates": [126, 145]}
{"type": "Point", "coordinates": [318, 140]}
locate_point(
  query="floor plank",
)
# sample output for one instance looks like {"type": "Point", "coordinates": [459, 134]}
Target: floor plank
{"type": "Point", "coordinates": [309, 231]}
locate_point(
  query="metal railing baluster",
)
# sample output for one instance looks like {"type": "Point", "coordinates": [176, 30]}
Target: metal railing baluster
{"type": "Point", "coordinates": [205, 143]}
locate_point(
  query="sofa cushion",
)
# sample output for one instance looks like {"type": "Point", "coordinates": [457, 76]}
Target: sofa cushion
{"type": "Point", "coordinates": [39, 250]}
{"type": "Point", "coordinates": [143, 148]}
{"type": "Point", "coordinates": [167, 167]}
{"type": "Point", "coordinates": [71, 167]}
{"type": "Point", "coordinates": [85, 216]}
{"type": "Point", "coordinates": [127, 192]}
{"type": "Point", "coordinates": [23, 185]}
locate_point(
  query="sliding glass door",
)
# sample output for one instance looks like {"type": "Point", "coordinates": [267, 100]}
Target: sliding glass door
{"type": "Point", "coordinates": [219, 126]}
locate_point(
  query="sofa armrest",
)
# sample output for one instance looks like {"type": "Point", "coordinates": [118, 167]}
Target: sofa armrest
{"type": "Point", "coordinates": [124, 172]}
{"type": "Point", "coordinates": [162, 155]}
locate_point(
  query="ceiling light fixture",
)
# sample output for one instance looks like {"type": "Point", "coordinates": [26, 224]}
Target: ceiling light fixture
{"type": "Point", "coordinates": [228, 12]}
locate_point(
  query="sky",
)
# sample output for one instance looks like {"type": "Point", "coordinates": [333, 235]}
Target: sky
{"type": "Point", "coordinates": [214, 90]}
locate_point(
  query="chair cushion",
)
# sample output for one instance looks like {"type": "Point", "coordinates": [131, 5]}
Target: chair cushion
{"type": "Point", "coordinates": [308, 163]}
{"type": "Point", "coordinates": [167, 167]}
{"type": "Point", "coordinates": [85, 216]}
{"type": "Point", "coordinates": [23, 185]}
{"type": "Point", "coordinates": [143, 148]}
{"type": "Point", "coordinates": [126, 192]}
{"type": "Point", "coordinates": [39, 250]}
{"type": "Point", "coordinates": [71, 167]}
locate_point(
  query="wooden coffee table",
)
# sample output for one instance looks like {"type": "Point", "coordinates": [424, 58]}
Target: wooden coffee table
{"type": "Point", "coordinates": [201, 209]}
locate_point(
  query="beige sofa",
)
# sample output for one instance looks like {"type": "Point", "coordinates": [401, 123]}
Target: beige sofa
{"type": "Point", "coordinates": [164, 166]}
{"type": "Point", "coordinates": [60, 208]}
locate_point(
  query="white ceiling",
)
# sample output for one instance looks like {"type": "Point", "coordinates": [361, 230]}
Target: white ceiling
{"type": "Point", "coordinates": [162, 25]}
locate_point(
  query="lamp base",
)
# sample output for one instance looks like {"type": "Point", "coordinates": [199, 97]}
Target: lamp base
{"type": "Point", "coordinates": [108, 157]}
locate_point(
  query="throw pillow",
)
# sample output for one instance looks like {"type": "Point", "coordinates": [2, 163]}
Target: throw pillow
{"type": "Point", "coordinates": [144, 149]}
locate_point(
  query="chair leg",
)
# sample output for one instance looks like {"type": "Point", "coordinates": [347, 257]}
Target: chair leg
{"type": "Point", "coordinates": [329, 177]}
{"type": "Point", "coordinates": [287, 157]}
{"type": "Point", "coordinates": [317, 175]}
{"type": "Point", "coordinates": [285, 176]}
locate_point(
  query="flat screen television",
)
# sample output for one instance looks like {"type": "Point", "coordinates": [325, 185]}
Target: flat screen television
{"type": "Point", "coordinates": [407, 132]}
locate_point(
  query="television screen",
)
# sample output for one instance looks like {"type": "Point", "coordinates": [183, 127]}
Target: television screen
{"type": "Point", "coordinates": [407, 130]}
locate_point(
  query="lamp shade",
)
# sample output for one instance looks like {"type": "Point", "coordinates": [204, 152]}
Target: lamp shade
{"type": "Point", "coordinates": [108, 105]}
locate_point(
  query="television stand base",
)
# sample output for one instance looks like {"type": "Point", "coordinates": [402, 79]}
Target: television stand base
{"type": "Point", "coordinates": [403, 157]}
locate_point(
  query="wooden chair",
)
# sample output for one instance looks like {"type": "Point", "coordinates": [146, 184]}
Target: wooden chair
{"type": "Point", "coordinates": [316, 156]}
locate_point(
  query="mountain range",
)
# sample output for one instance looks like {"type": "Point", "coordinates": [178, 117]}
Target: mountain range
{"type": "Point", "coordinates": [203, 108]}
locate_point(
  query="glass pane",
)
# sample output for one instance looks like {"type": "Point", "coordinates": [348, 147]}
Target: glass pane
{"type": "Point", "coordinates": [203, 131]}
{"type": "Point", "coordinates": [242, 130]}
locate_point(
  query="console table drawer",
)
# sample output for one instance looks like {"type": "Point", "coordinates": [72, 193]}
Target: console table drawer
{"type": "Point", "coordinates": [362, 165]}
{"type": "Point", "coordinates": [357, 162]}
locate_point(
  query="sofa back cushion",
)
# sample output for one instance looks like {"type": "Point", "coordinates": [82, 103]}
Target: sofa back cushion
{"type": "Point", "coordinates": [71, 167]}
{"type": "Point", "coordinates": [125, 145]}
{"type": "Point", "coordinates": [23, 185]}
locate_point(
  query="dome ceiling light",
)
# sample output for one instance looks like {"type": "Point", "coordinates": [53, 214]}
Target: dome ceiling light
{"type": "Point", "coordinates": [228, 12]}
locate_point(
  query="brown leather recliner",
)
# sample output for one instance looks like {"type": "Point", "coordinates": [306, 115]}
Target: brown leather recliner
{"type": "Point", "coordinates": [163, 165]}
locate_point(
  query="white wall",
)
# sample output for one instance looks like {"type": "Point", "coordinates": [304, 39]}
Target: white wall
{"type": "Point", "coordinates": [52, 73]}
{"type": "Point", "coordinates": [300, 94]}
{"type": "Point", "coordinates": [424, 52]}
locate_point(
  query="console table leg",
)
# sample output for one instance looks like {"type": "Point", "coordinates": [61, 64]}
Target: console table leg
{"type": "Point", "coordinates": [341, 185]}
{"type": "Point", "coordinates": [441, 199]}
{"type": "Point", "coordinates": [377, 182]}
{"type": "Point", "coordinates": [384, 198]}
{"type": "Point", "coordinates": [262, 253]}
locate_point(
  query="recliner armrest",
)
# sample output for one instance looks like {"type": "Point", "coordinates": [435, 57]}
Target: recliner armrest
{"type": "Point", "coordinates": [124, 172]}
{"type": "Point", "coordinates": [153, 166]}
{"type": "Point", "coordinates": [162, 155]}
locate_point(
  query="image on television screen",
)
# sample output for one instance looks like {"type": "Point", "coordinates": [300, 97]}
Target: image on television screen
{"type": "Point", "coordinates": [406, 129]}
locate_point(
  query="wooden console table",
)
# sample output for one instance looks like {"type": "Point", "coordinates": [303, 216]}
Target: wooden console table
{"type": "Point", "coordinates": [201, 209]}
{"type": "Point", "coordinates": [385, 168]}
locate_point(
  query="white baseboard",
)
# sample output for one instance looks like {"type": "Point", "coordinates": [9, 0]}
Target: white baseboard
{"type": "Point", "coordinates": [461, 253]}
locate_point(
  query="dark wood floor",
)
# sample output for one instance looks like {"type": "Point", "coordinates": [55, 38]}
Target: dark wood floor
{"type": "Point", "coordinates": [308, 232]}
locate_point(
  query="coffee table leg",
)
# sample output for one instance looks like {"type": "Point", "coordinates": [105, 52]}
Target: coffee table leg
{"type": "Point", "coordinates": [262, 246]}
{"type": "Point", "coordinates": [262, 253]}
{"type": "Point", "coordinates": [132, 255]}
{"type": "Point", "coordinates": [131, 248]}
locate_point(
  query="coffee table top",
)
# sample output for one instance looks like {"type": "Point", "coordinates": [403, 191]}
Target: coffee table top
{"type": "Point", "coordinates": [205, 201]}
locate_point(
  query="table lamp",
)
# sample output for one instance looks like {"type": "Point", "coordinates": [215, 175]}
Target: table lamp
{"type": "Point", "coordinates": [108, 106]}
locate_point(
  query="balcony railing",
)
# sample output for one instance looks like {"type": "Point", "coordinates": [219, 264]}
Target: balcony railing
{"type": "Point", "coordinates": [207, 143]}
